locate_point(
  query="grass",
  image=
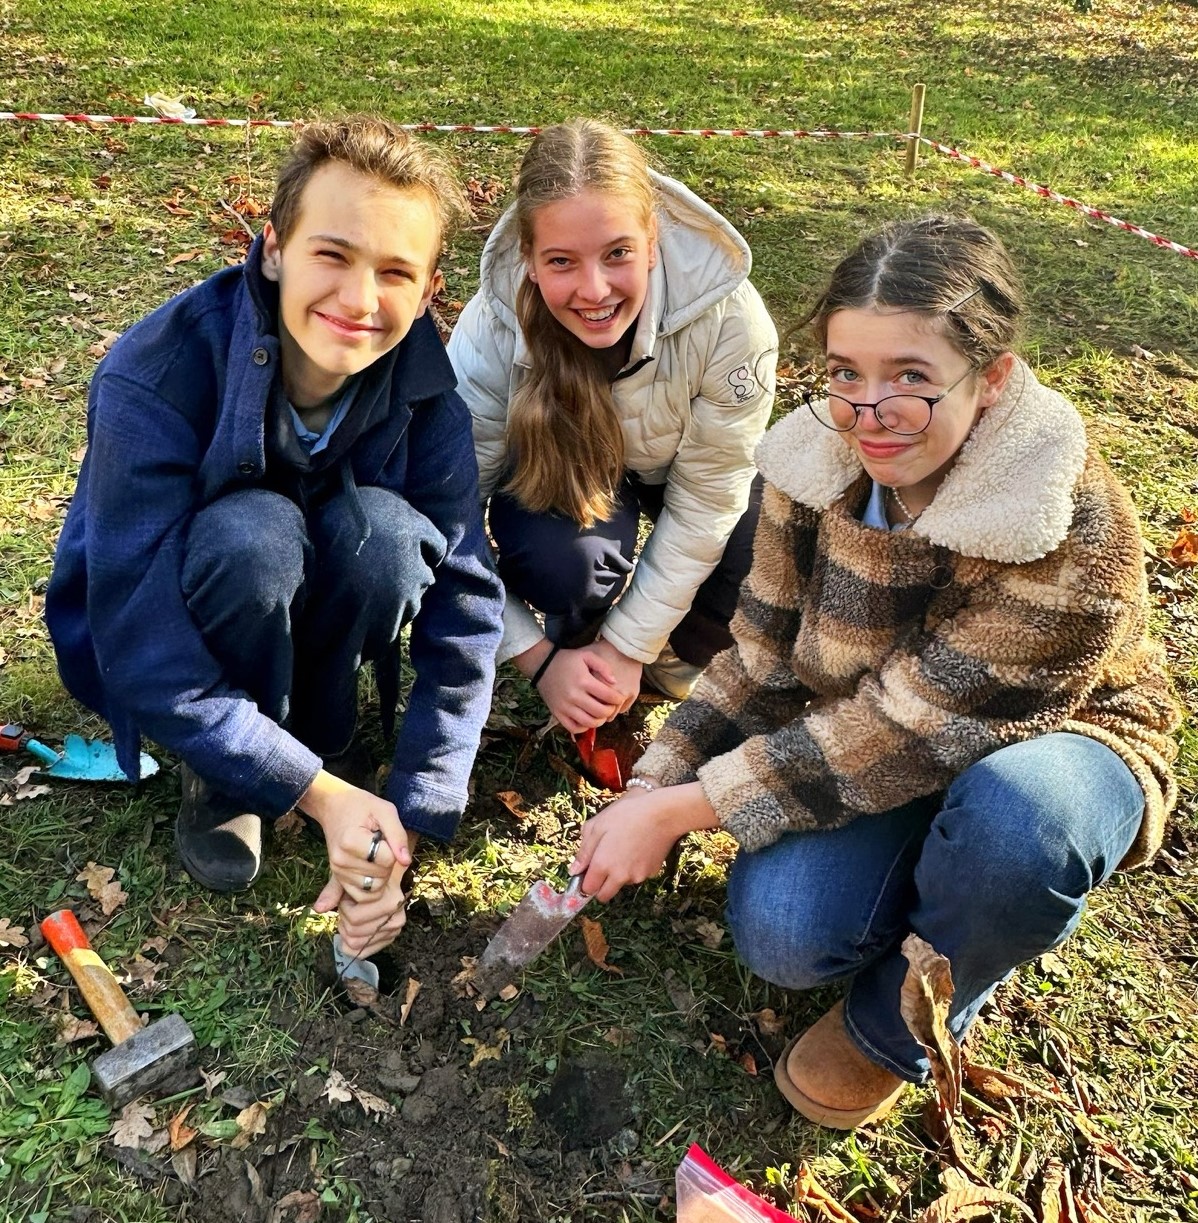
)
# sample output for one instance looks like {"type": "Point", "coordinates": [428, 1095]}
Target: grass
{"type": "Point", "coordinates": [92, 222]}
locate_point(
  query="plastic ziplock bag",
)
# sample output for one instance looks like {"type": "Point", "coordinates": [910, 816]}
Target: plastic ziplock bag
{"type": "Point", "coordinates": [707, 1194]}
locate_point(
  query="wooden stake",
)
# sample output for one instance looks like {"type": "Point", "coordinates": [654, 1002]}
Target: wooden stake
{"type": "Point", "coordinates": [915, 127]}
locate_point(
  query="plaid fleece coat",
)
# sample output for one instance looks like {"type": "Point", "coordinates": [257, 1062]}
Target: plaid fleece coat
{"type": "Point", "coordinates": [872, 667]}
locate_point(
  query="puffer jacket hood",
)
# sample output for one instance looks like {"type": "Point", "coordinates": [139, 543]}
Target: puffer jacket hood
{"type": "Point", "coordinates": [701, 260]}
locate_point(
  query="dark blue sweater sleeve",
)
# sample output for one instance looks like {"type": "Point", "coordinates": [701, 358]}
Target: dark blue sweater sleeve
{"type": "Point", "coordinates": [138, 481]}
{"type": "Point", "coordinates": [456, 632]}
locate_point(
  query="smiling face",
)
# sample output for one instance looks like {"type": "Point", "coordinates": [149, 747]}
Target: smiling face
{"type": "Point", "coordinates": [356, 271]}
{"type": "Point", "coordinates": [590, 258]}
{"type": "Point", "coordinates": [875, 353]}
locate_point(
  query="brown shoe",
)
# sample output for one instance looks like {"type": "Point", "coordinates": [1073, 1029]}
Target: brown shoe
{"type": "Point", "coordinates": [830, 1081]}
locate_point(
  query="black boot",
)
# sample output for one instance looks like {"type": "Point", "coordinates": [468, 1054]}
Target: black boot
{"type": "Point", "coordinates": [219, 845]}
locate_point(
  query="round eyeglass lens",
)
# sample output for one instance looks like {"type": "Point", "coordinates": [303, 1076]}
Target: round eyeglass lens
{"type": "Point", "coordinates": [904, 414]}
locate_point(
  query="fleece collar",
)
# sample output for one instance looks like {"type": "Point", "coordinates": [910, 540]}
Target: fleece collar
{"type": "Point", "coordinates": [1008, 497]}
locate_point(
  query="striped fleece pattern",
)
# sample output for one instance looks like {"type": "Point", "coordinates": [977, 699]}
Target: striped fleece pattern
{"type": "Point", "coordinates": [872, 667]}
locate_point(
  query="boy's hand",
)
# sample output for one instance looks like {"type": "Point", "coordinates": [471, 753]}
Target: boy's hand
{"type": "Point", "coordinates": [365, 869]}
{"type": "Point", "coordinates": [627, 842]}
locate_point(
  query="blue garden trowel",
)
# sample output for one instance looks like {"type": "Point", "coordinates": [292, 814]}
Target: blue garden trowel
{"type": "Point", "coordinates": [80, 759]}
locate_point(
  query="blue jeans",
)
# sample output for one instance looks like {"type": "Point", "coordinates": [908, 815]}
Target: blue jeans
{"type": "Point", "coordinates": [291, 605]}
{"type": "Point", "coordinates": [992, 873]}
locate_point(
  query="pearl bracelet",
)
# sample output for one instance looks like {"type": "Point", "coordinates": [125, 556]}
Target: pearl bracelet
{"type": "Point", "coordinates": [641, 784]}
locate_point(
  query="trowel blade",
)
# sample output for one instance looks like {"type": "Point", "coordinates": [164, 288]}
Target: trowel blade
{"type": "Point", "coordinates": [533, 924]}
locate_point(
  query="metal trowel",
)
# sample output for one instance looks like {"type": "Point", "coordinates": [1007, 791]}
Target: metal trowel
{"type": "Point", "coordinates": [531, 926]}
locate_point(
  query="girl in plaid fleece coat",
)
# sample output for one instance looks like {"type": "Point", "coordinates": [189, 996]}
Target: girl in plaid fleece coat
{"type": "Point", "coordinates": [941, 713]}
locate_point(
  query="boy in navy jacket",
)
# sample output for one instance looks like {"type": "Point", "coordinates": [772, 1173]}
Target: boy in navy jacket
{"type": "Point", "coordinates": [279, 477]}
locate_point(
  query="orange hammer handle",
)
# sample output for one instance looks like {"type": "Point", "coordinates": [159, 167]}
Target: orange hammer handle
{"type": "Point", "coordinates": [95, 980]}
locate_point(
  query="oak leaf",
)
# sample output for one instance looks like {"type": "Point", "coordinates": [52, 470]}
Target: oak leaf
{"type": "Point", "coordinates": [336, 1089]}
{"type": "Point", "coordinates": [12, 936]}
{"type": "Point", "coordinates": [133, 1126]}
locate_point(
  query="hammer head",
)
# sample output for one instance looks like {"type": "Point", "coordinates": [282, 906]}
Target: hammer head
{"type": "Point", "coordinates": [148, 1059]}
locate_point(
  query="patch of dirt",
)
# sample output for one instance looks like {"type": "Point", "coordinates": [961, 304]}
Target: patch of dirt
{"type": "Point", "coordinates": [449, 1151]}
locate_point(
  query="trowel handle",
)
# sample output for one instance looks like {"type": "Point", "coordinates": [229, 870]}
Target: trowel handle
{"type": "Point", "coordinates": [99, 987]}
{"type": "Point", "coordinates": [47, 755]}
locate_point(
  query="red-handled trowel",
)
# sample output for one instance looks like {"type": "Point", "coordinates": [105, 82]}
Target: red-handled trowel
{"type": "Point", "coordinates": [531, 926]}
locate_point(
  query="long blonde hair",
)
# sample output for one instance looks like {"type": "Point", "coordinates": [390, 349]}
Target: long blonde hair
{"type": "Point", "coordinates": [565, 443]}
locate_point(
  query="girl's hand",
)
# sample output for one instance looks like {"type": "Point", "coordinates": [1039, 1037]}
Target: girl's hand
{"type": "Point", "coordinates": [625, 671]}
{"type": "Point", "coordinates": [628, 841]}
{"type": "Point", "coordinates": [580, 690]}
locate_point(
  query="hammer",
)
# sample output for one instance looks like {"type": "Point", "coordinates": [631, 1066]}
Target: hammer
{"type": "Point", "coordinates": [141, 1058]}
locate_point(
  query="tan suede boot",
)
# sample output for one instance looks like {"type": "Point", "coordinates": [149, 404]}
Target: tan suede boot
{"type": "Point", "coordinates": [830, 1081]}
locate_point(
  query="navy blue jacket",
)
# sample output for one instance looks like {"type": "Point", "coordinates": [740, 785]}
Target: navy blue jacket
{"type": "Point", "coordinates": [176, 418]}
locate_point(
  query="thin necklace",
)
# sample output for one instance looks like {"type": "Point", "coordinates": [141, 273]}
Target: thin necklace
{"type": "Point", "coordinates": [894, 492]}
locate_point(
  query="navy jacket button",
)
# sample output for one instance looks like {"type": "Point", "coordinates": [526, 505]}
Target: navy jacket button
{"type": "Point", "coordinates": [261, 356]}
{"type": "Point", "coordinates": [246, 469]}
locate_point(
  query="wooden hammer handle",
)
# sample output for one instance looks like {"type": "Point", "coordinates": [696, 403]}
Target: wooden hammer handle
{"type": "Point", "coordinates": [95, 980]}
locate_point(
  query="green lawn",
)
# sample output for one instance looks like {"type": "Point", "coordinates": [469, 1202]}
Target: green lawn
{"type": "Point", "coordinates": [93, 221]}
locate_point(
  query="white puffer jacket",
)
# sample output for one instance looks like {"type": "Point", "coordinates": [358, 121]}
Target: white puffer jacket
{"type": "Point", "coordinates": [693, 400]}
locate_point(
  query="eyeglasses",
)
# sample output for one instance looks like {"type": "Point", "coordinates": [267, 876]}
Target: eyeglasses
{"type": "Point", "coordinates": [905, 415]}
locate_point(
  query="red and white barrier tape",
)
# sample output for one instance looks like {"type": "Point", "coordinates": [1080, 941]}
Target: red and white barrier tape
{"type": "Point", "coordinates": [759, 133]}
{"type": "Point", "coordinates": [503, 129]}
{"type": "Point", "coordinates": [1049, 194]}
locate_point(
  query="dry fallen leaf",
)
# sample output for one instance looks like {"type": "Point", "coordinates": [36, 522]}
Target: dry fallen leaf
{"type": "Point", "coordinates": [513, 800]}
{"type": "Point", "coordinates": [1003, 1085]}
{"type": "Point", "coordinates": [1183, 551]}
{"type": "Point", "coordinates": [23, 791]}
{"type": "Point", "coordinates": [183, 1162]}
{"type": "Point", "coordinates": [597, 946]}
{"type": "Point", "coordinates": [809, 1192]}
{"type": "Point", "coordinates": [709, 933]}
{"type": "Point", "coordinates": [1052, 1184]}
{"type": "Point", "coordinates": [72, 1029]}
{"type": "Point", "coordinates": [212, 1081]}
{"type": "Point", "coordinates": [12, 936]}
{"type": "Point", "coordinates": [251, 1122]}
{"type": "Point", "coordinates": [408, 998]}
{"type": "Point", "coordinates": [305, 1203]}
{"type": "Point", "coordinates": [133, 1126]}
{"type": "Point", "coordinates": [768, 1023]}
{"type": "Point", "coordinates": [484, 1052]}
{"type": "Point", "coordinates": [926, 995]}
{"type": "Point", "coordinates": [185, 257]}
{"type": "Point", "coordinates": [102, 887]}
{"type": "Point", "coordinates": [748, 1063]}
{"type": "Point", "coordinates": [508, 993]}
{"type": "Point", "coordinates": [965, 1200]}
{"type": "Point", "coordinates": [336, 1089]}
{"type": "Point", "coordinates": [141, 970]}
{"type": "Point", "coordinates": [181, 1133]}
{"type": "Point", "coordinates": [371, 1103]}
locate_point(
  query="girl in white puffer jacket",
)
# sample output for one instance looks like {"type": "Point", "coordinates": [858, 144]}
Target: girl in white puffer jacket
{"type": "Point", "coordinates": [616, 361]}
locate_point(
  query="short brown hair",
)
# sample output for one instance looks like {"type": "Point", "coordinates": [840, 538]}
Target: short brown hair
{"type": "Point", "coordinates": [376, 148]}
